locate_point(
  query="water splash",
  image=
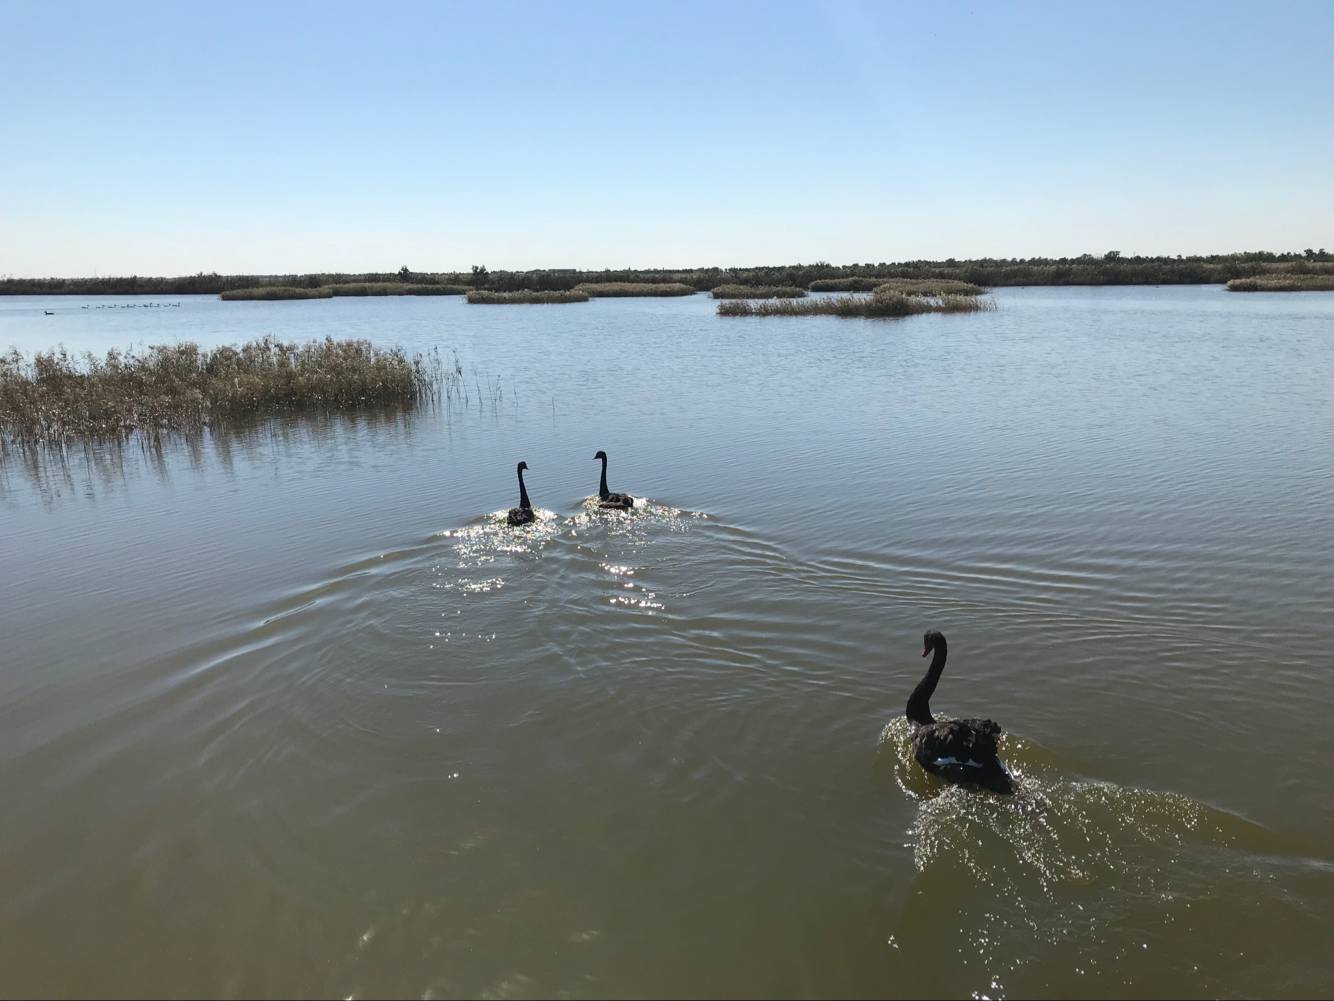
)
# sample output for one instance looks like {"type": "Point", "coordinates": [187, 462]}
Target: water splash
{"type": "Point", "coordinates": [1054, 866]}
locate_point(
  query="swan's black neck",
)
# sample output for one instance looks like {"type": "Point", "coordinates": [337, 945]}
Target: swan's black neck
{"type": "Point", "coordinates": [602, 488]}
{"type": "Point", "coordinates": [919, 703]}
{"type": "Point", "coordinates": [523, 494]}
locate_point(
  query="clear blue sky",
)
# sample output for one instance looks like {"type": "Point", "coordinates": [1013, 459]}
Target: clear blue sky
{"type": "Point", "coordinates": [172, 138]}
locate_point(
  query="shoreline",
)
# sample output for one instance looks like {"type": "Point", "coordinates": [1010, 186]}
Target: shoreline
{"type": "Point", "coordinates": [1108, 269]}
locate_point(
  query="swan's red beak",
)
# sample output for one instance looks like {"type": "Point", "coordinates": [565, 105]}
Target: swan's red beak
{"type": "Point", "coordinates": [925, 651]}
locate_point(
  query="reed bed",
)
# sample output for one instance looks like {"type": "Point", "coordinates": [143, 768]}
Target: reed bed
{"type": "Point", "coordinates": [906, 286]}
{"type": "Point", "coordinates": [481, 297]}
{"type": "Point", "coordinates": [1283, 283]}
{"type": "Point", "coordinates": [845, 284]}
{"type": "Point", "coordinates": [397, 288]}
{"type": "Point", "coordinates": [758, 292]}
{"type": "Point", "coordinates": [56, 397]}
{"type": "Point", "coordinates": [278, 292]}
{"type": "Point", "coordinates": [928, 286]}
{"type": "Point", "coordinates": [878, 305]}
{"type": "Point", "coordinates": [599, 290]}
{"type": "Point", "coordinates": [347, 288]}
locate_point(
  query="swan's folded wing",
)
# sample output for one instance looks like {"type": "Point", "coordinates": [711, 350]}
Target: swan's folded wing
{"type": "Point", "coordinates": [984, 726]}
{"type": "Point", "coordinates": [965, 742]}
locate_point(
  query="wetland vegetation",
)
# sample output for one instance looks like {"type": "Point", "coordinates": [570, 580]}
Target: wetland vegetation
{"type": "Point", "coordinates": [884, 302]}
{"type": "Point", "coordinates": [348, 288]}
{"type": "Point", "coordinates": [485, 298]}
{"type": "Point", "coordinates": [269, 292]}
{"type": "Point", "coordinates": [1110, 268]}
{"type": "Point", "coordinates": [54, 396]}
{"type": "Point", "coordinates": [758, 292]}
{"type": "Point", "coordinates": [1284, 283]}
{"type": "Point", "coordinates": [599, 290]}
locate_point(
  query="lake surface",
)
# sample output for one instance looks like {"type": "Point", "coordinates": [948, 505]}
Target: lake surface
{"type": "Point", "coordinates": [286, 711]}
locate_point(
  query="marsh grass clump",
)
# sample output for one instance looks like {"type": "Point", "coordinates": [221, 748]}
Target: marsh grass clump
{"type": "Point", "coordinates": [56, 397]}
{"type": "Point", "coordinates": [483, 297]}
{"type": "Point", "coordinates": [758, 292]}
{"type": "Point", "coordinates": [600, 290]}
{"type": "Point", "coordinates": [396, 288]}
{"type": "Point", "coordinates": [1283, 283]}
{"type": "Point", "coordinates": [907, 286]}
{"type": "Point", "coordinates": [845, 284]}
{"type": "Point", "coordinates": [346, 288]}
{"type": "Point", "coordinates": [928, 286]}
{"type": "Point", "coordinates": [887, 304]}
{"type": "Point", "coordinates": [277, 292]}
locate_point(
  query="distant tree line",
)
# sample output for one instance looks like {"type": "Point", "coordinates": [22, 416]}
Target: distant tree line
{"type": "Point", "coordinates": [1111, 268]}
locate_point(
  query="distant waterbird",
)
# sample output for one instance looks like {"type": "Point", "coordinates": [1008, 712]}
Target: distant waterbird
{"type": "Point", "coordinates": [962, 751]}
{"type": "Point", "coordinates": [48, 312]}
{"type": "Point", "coordinates": [523, 514]}
{"type": "Point", "coordinates": [607, 499]}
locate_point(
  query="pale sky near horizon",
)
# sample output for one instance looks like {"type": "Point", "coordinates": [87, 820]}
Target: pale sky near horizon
{"type": "Point", "coordinates": [165, 139]}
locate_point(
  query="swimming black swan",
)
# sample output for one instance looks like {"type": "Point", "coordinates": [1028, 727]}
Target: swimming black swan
{"type": "Point", "coordinates": [606, 498]}
{"type": "Point", "coordinates": [523, 514]}
{"type": "Point", "coordinates": [958, 750]}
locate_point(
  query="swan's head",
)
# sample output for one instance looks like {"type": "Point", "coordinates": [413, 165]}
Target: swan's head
{"type": "Point", "coordinates": [931, 639]}
{"type": "Point", "coordinates": [601, 455]}
{"type": "Point", "coordinates": [523, 466]}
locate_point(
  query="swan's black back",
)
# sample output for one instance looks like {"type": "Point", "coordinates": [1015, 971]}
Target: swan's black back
{"type": "Point", "coordinates": [523, 514]}
{"type": "Point", "coordinates": [963, 751]}
{"type": "Point", "coordinates": [606, 498]}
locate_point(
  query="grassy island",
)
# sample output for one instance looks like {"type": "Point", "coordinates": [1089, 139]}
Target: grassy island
{"type": "Point", "coordinates": [883, 303]}
{"type": "Point", "coordinates": [758, 292]}
{"type": "Point", "coordinates": [484, 298]}
{"type": "Point", "coordinates": [908, 286]}
{"type": "Point", "coordinates": [55, 397]}
{"type": "Point", "coordinates": [347, 288]}
{"type": "Point", "coordinates": [928, 286]}
{"type": "Point", "coordinates": [1283, 283]}
{"type": "Point", "coordinates": [845, 284]}
{"type": "Point", "coordinates": [599, 290]}
{"type": "Point", "coordinates": [396, 288]}
{"type": "Point", "coordinates": [278, 292]}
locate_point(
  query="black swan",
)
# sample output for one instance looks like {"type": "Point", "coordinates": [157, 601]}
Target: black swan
{"type": "Point", "coordinates": [606, 498]}
{"type": "Point", "coordinates": [962, 751]}
{"type": "Point", "coordinates": [523, 514]}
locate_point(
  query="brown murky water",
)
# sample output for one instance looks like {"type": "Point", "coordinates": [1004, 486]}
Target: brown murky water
{"type": "Point", "coordinates": [288, 712]}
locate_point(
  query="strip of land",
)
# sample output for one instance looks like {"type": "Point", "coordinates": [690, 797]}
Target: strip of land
{"type": "Point", "coordinates": [1283, 283]}
{"type": "Point", "coordinates": [1111, 268]}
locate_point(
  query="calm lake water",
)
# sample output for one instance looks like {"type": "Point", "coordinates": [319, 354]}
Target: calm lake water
{"type": "Point", "coordinates": [286, 711]}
